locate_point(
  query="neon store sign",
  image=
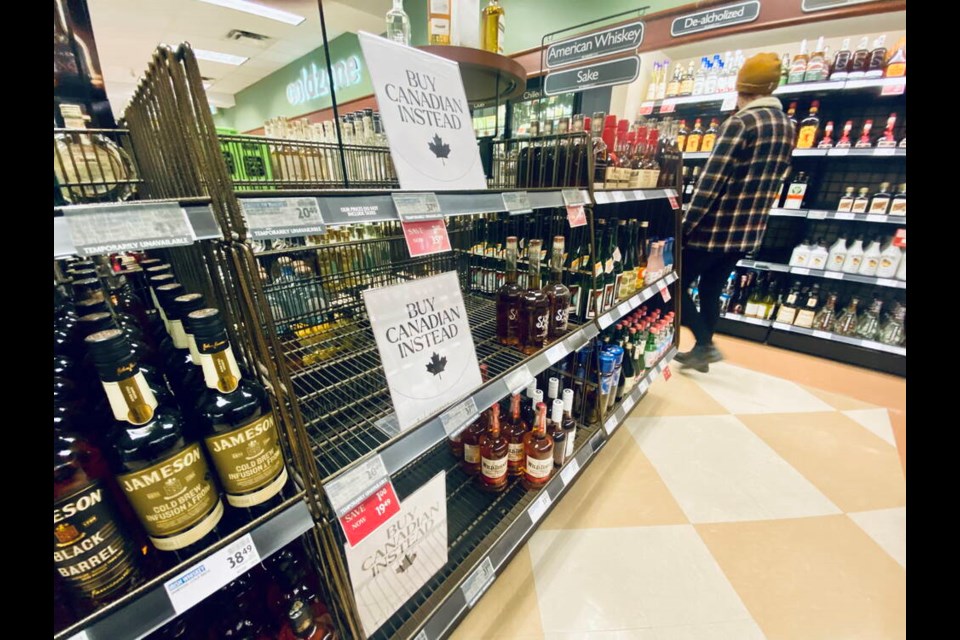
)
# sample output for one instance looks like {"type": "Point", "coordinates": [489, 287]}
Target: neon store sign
{"type": "Point", "coordinates": [313, 82]}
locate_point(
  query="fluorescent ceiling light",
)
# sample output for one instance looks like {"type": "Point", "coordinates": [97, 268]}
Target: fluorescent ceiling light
{"type": "Point", "coordinates": [259, 10]}
{"type": "Point", "coordinates": [216, 56]}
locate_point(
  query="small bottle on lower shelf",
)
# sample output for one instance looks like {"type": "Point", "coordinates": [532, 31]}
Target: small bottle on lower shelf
{"type": "Point", "coordinates": [558, 434]}
{"type": "Point", "coordinates": [493, 455]}
{"type": "Point", "coordinates": [538, 446]}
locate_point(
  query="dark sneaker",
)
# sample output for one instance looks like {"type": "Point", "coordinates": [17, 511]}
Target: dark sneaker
{"type": "Point", "coordinates": [696, 359]}
{"type": "Point", "coordinates": [712, 354]}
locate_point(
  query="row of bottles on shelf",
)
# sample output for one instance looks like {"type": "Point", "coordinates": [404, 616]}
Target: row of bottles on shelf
{"type": "Point", "coordinates": [883, 262]}
{"type": "Point", "coordinates": [809, 135]}
{"type": "Point", "coordinates": [882, 202]}
{"type": "Point", "coordinates": [151, 410]}
{"type": "Point", "coordinates": [277, 599]}
{"type": "Point", "coordinates": [714, 75]}
{"type": "Point", "coordinates": [448, 24]}
{"type": "Point", "coordinates": [697, 139]}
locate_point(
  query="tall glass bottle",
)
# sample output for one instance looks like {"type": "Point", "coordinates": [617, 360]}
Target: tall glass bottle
{"type": "Point", "coordinates": [534, 305]}
{"type": "Point", "coordinates": [569, 424]}
{"type": "Point", "coordinates": [557, 433]}
{"type": "Point", "coordinates": [439, 21]}
{"type": "Point", "coordinates": [492, 31]}
{"type": "Point", "coordinates": [557, 293]}
{"type": "Point", "coordinates": [508, 300]}
{"type": "Point", "coordinates": [514, 430]}
{"type": "Point", "coordinates": [846, 324]}
{"type": "Point", "coordinates": [628, 283]}
{"type": "Point", "coordinates": [398, 24]}
{"type": "Point", "coordinates": [827, 315]}
{"type": "Point", "coordinates": [494, 449]}
{"type": "Point", "coordinates": [538, 446]}
{"type": "Point", "coordinates": [868, 326]}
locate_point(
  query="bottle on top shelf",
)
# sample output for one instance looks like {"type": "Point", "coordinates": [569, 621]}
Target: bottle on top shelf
{"type": "Point", "coordinates": [809, 127]}
{"type": "Point", "coordinates": [784, 69]}
{"type": "Point", "coordinates": [673, 86]}
{"type": "Point", "coordinates": [798, 67]}
{"type": "Point", "coordinates": [880, 203]}
{"type": "Point", "coordinates": [398, 24]}
{"type": "Point", "coordinates": [854, 258]}
{"type": "Point", "coordinates": [492, 31]}
{"type": "Point", "coordinates": [841, 61]}
{"type": "Point", "coordinates": [686, 81]}
{"type": "Point", "coordinates": [700, 78]}
{"type": "Point", "coordinates": [439, 21]}
{"type": "Point", "coordinates": [877, 62]}
{"type": "Point", "coordinates": [897, 59]}
{"type": "Point", "coordinates": [859, 60]}
{"type": "Point", "coordinates": [817, 66]}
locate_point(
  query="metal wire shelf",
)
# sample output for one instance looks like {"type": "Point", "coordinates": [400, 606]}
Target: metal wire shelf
{"type": "Point", "coordinates": [540, 162]}
{"type": "Point", "coordinates": [93, 165]}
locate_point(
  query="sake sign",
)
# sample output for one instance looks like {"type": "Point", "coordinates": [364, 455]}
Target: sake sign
{"type": "Point", "coordinates": [426, 116]}
{"type": "Point", "coordinates": [423, 336]}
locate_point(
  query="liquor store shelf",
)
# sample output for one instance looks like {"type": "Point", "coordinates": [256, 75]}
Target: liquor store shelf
{"type": "Point", "coordinates": [348, 412]}
{"type": "Point", "coordinates": [828, 335]}
{"type": "Point", "coordinates": [150, 606]}
{"type": "Point", "coordinates": [736, 317]}
{"type": "Point", "coordinates": [482, 546]}
{"type": "Point", "coordinates": [819, 273]}
{"type": "Point", "coordinates": [613, 196]}
{"type": "Point", "coordinates": [821, 214]}
{"type": "Point", "coordinates": [884, 152]}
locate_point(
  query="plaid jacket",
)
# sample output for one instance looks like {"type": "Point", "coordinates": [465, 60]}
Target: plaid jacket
{"type": "Point", "coordinates": [741, 180]}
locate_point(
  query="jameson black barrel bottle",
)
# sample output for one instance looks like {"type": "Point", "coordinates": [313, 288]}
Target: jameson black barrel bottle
{"type": "Point", "coordinates": [236, 421]}
{"type": "Point", "coordinates": [164, 475]}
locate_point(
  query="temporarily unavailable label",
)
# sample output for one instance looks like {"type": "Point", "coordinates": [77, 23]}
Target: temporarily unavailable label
{"type": "Point", "coordinates": [282, 217]}
{"type": "Point", "coordinates": [519, 379]}
{"type": "Point", "coordinates": [573, 197]}
{"type": "Point", "coordinates": [98, 229]}
{"type": "Point", "coordinates": [569, 471]}
{"type": "Point", "coordinates": [203, 579]}
{"type": "Point", "coordinates": [668, 106]}
{"type": "Point", "coordinates": [460, 417]}
{"type": "Point", "coordinates": [800, 271]}
{"type": "Point", "coordinates": [900, 239]}
{"type": "Point", "coordinates": [350, 210]}
{"type": "Point", "coordinates": [576, 216]}
{"type": "Point", "coordinates": [417, 206]}
{"type": "Point", "coordinates": [426, 237]}
{"type": "Point", "coordinates": [665, 292]}
{"type": "Point", "coordinates": [716, 18]}
{"type": "Point", "coordinates": [539, 507]}
{"type": "Point", "coordinates": [370, 514]}
{"type": "Point", "coordinates": [817, 214]}
{"type": "Point", "coordinates": [478, 582]}
{"type": "Point", "coordinates": [607, 42]}
{"type": "Point", "coordinates": [602, 74]}
{"type": "Point", "coordinates": [516, 202]}
{"type": "Point", "coordinates": [667, 373]}
{"type": "Point", "coordinates": [646, 108]}
{"type": "Point", "coordinates": [353, 487]}
{"type": "Point", "coordinates": [729, 102]}
{"type": "Point", "coordinates": [557, 352]}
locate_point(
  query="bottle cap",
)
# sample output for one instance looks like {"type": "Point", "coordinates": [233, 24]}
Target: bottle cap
{"type": "Point", "coordinates": [557, 411]}
{"type": "Point", "coordinates": [532, 388]}
{"type": "Point", "coordinates": [188, 303]}
{"type": "Point", "coordinates": [209, 332]}
{"type": "Point", "coordinates": [94, 322]}
{"type": "Point", "coordinates": [89, 306]}
{"type": "Point", "coordinates": [608, 362]}
{"type": "Point", "coordinates": [553, 387]}
{"type": "Point", "coordinates": [111, 354]}
{"type": "Point", "coordinates": [568, 399]}
{"type": "Point", "coordinates": [166, 294]}
{"type": "Point", "coordinates": [538, 397]}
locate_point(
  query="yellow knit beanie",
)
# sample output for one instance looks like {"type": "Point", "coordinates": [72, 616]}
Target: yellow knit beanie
{"type": "Point", "coordinates": [759, 75]}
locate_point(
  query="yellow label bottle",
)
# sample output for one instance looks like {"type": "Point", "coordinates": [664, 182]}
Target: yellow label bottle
{"type": "Point", "coordinates": [493, 27]}
{"type": "Point", "coordinates": [439, 20]}
{"type": "Point", "coordinates": [710, 137]}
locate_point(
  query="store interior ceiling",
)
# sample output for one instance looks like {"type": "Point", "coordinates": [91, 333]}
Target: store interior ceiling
{"type": "Point", "coordinates": [128, 31]}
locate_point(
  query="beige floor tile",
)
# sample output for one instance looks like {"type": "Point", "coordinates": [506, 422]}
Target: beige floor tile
{"type": "Point", "coordinates": [620, 488]}
{"type": "Point", "coordinates": [877, 421]}
{"type": "Point", "coordinates": [509, 609]}
{"type": "Point", "coordinates": [839, 401]}
{"type": "Point", "coordinates": [678, 396]}
{"type": "Point", "coordinates": [812, 578]}
{"type": "Point", "coordinates": [888, 527]}
{"type": "Point", "coordinates": [733, 630]}
{"type": "Point", "coordinates": [854, 468]}
{"type": "Point", "coordinates": [741, 390]}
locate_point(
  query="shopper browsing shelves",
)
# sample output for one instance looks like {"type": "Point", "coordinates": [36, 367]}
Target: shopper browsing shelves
{"type": "Point", "coordinates": [728, 211]}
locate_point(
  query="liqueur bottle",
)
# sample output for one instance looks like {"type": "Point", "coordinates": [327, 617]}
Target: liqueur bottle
{"type": "Point", "coordinates": [534, 306]}
{"type": "Point", "coordinates": [538, 446]}
{"type": "Point", "coordinates": [508, 300]}
{"type": "Point", "coordinates": [558, 295]}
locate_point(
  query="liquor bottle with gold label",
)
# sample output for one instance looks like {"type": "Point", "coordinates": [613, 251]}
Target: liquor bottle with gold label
{"type": "Point", "coordinates": [237, 422]}
{"type": "Point", "coordinates": [492, 17]}
{"type": "Point", "coordinates": [709, 136]}
{"type": "Point", "coordinates": [494, 450]}
{"type": "Point", "coordinates": [809, 127]}
{"type": "Point", "coordinates": [440, 13]}
{"type": "Point", "coordinates": [686, 82]}
{"type": "Point", "coordinates": [538, 447]}
{"type": "Point", "coordinates": [534, 305]}
{"type": "Point", "coordinates": [798, 68]}
{"type": "Point", "coordinates": [514, 429]}
{"type": "Point", "coordinates": [861, 202]}
{"type": "Point", "coordinates": [557, 293]}
{"type": "Point", "coordinates": [673, 87]}
{"type": "Point", "coordinates": [471, 444]}
{"type": "Point", "coordinates": [880, 201]}
{"type": "Point", "coordinates": [897, 60]}
{"type": "Point", "coordinates": [898, 204]}
{"type": "Point", "coordinates": [693, 138]}
{"type": "Point", "coordinates": [164, 475]}
{"type": "Point", "coordinates": [508, 299]}
{"type": "Point", "coordinates": [846, 201]}
{"type": "Point", "coordinates": [682, 134]}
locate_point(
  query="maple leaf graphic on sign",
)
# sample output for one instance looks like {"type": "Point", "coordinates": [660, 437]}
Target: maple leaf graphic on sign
{"type": "Point", "coordinates": [440, 148]}
{"type": "Point", "coordinates": [437, 365]}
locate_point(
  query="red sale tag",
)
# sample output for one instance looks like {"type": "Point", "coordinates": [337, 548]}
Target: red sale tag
{"type": "Point", "coordinates": [666, 372]}
{"type": "Point", "coordinates": [673, 201]}
{"type": "Point", "coordinates": [646, 109]}
{"type": "Point", "coordinates": [426, 237]}
{"type": "Point", "coordinates": [665, 293]}
{"type": "Point", "coordinates": [668, 107]}
{"type": "Point", "coordinates": [370, 514]}
{"type": "Point", "coordinates": [893, 89]}
{"type": "Point", "coordinates": [576, 215]}
{"type": "Point", "coordinates": [900, 240]}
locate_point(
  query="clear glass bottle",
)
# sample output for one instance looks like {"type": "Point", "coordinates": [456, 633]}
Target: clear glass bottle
{"type": "Point", "coordinates": [827, 315]}
{"type": "Point", "coordinates": [893, 332]}
{"type": "Point", "coordinates": [846, 324]}
{"type": "Point", "coordinates": [868, 326]}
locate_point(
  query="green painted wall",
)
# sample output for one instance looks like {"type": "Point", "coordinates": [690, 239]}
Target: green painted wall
{"type": "Point", "coordinates": [271, 96]}
{"type": "Point", "coordinates": [528, 20]}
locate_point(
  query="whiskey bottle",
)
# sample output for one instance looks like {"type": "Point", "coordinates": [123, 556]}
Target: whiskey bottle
{"type": "Point", "coordinates": [846, 202]}
{"type": "Point", "coordinates": [861, 202]}
{"type": "Point", "coordinates": [508, 300]}
{"type": "Point", "coordinates": [798, 67]}
{"type": "Point", "coordinates": [440, 13]}
{"type": "Point", "coordinates": [493, 27]}
{"type": "Point", "coordinates": [709, 137]}
{"type": "Point", "coordinates": [865, 142]}
{"type": "Point", "coordinates": [876, 63]}
{"type": "Point", "coordinates": [898, 204]}
{"type": "Point", "coordinates": [494, 453]}
{"type": "Point", "coordinates": [237, 421]}
{"type": "Point", "coordinates": [859, 60]}
{"type": "Point", "coordinates": [514, 430]}
{"type": "Point", "coordinates": [807, 312]}
{"type": "Point", "coordinates": [558, 434]}
{"type": "Point", "coordinates": [817, 65]}
{"type": "Point", "coordinates": [682, 134]}
{"type": "Point", "coordinates": [825, 318]}
{"type": "Point", "coordinates": [569, 424]}
{"type": "Point", "coordinates": [880, 202]}
{"type": "Point", "coordinates": [471, 444]}
{"type": "Point", "coordinates": [673, 87]}
{"type": "Point", "coordinates": [788, 310]}
{"type": "Point", "coordinates": [534, 306]}
{"type": "Point", "coordinates": [693, 139]}
{"type": "Point", "coordinates": [846, 324]}
{"type": "Point", "coordinates": [538, 447]}
{"type": "Point", "coordinates": [686, 82]}
{"type": "Point", "coordinates": [792, 114]}
{"type": "Point", "coordinates": [897, 61]}
{"type": "Point", "coordinates": [558, 295]}
{"type": "Point", "coordinates": [841, 61]}
{"type": "Point", "coordinates": [809, 127]}
{"type": "Point", "coordinates": [164, 476]}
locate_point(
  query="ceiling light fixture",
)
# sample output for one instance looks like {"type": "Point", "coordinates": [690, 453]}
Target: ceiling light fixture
{"type": "Point", "coordinates": [216, 56]}
{"type": "Point", "coordinates": [259, 10]}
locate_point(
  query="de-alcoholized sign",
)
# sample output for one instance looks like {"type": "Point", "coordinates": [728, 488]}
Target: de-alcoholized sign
{"type": "Point", "coordinates": [715, 18]}
{"type": "Point", "coordinates": [591, 76]}
{"type": "Point", "coordinates": [619, 39]}
{"type": "Point", "coordinates": [426, 116]}
{"type": "Point", "coordinates": [423, 336]}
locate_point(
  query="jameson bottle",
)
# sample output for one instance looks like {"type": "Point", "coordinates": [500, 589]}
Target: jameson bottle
{"type": "Point", "coordinates": [93, 554]}
{"type": "Point", "coordinates": [164, 476]}
{"type": "Point", "coordinates": [557, 293]}
{"type": "Point", "coordinates": [236, 420]}
{"type": "Point", "coordinates": [534, 306]}
{"type": "Point", "coordinates": [508, 300]}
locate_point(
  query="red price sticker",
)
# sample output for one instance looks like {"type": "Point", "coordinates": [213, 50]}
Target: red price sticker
{"type": "Point", "coordinates": [370, 514]}
{"type": "Point", "coordinates": [646, 109]}
{"type": "Point", "coordinates": [666, 372]}
{"type": "Point", "coordinates": [665, 293]}
{"type": "Point", "coordinates": [668, 107]}
{"type": "Point", "coordinates": [893, 89]}
{"type": "Point", "coordinates": [673, 201]}
{"type": "Point", "coordinates": [426, 237]}
{"type": "Point", "coordinates": [900, 240]}
{"type": "Point", "coordinates": [576, 215]}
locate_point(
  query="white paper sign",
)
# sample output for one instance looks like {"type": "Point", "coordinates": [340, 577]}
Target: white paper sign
{"type": "Point", "coordinates": [539, 507]}
{"type": "Point", "coordinates": [423, 336]}
{"type": "Point", "coordinates": [397, 559]}
{"type": "Point", "coordinates": [426, 116]}
{"type": "Point", "coordinates": [201, 580]}
{"type": "Point", "coordinates": [571, 469]}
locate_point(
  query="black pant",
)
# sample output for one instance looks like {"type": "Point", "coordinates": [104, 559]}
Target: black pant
{"type": "Point", "coordinates": [713, 269]}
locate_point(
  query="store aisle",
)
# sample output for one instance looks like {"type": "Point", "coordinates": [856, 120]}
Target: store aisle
{"type": "Point", "coordinates": [731, 505]}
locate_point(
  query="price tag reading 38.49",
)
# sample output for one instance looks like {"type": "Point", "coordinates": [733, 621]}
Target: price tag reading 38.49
{"type": "Point", "coordinates": [204, 578]}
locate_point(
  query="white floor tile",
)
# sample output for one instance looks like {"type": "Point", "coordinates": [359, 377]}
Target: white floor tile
{"type": "Point", "coordinates": [876, 420]}
{"type": "Point", "coordinates": [888, 527]}
{"type": "Point", "coordinates": [733, 630]}
{"type": "Point", "coordinates": [629, 578]}
{"type": "Point", "coordinates": [718, 470]}
{"type": "Point", "coordinates": [741, 390]}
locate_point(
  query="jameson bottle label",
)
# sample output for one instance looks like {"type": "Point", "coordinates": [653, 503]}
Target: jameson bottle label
{"type": "Point", "coordinates": [89, 551]}
{"type": "Point", "coordinates": [175, 499]}
{"type": "Point", "coordinates": [537, 469]}
{"type": "Point", "coordinates": [249, 462]}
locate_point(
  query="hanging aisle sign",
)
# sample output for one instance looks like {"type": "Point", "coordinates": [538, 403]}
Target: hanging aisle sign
{"type": "Point", "coordinates": [626, 37]}
{"type": "Point", "coordinates": [423, 336]}
{"type": "Point", "coordinates": [426, 116]}
{"type": "Point", "coordinates": [602, 74]}
{"type": "Point", "coordinates": [822, 5]}
{"type": "Point", "coordinates": [715, 18]}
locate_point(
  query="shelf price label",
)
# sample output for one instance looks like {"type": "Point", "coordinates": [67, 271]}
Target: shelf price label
{"type": "Point", "coordinates": [671, 196]}
{"type": "Point", "coordinates": [576, 216]}
{"type": "Point", "coordinates": [557, 352]}
{"type": "Point", "coordinates": [843, 215]}
{"type": "Point", "coordinates": [876, 217]}
{"type": "Point", "coordinates": [894, 89]}
{"type": "Point", "coordinates": [426, 237]}
{"type": "Point", "coordinates": [668, 106]}
{"type": "Point", "coordinates": [517, 202]}
{"type": "Point", "coordinates": [667, 374]}
{"type": "Point", "coordinates": [619, 196]}
{"type": "Point", "coordinates": [729, 102]}
{"type": "Point", "coordinates": [478, 582]}
{"type": "Point", "coordinates": [646, 108]}
{"type": "Point", "coordinates": [370, 514]}
{"type": "Point", "coordinates": [836, 275]}
{"type": "Point", "coordinates": [885, 151]}
{"type": "Point", "coordinates": [817, 214]}
{"type": "Point", "coordinates": [282, 217]}
{"type": "Point", "coordinates": [886, 282]}
{"type": "Point", "coordinates": [664, 292]}
{"type": "Point", "coordinates": [519, 379]}
{"type": "Point", "coordinates": [572, 197]}
{"type": "Point", "coordinates": [800, 271]}
{"type": "Point", "coordinates": [457, 419]}
{"type": "Point", "coordinates": [610, 425]}
{"type": "Point", "coordinates": [204, 578]}
{"type": "Point", "coordinates": [353, 487]}
{"type": "Point", "coordinates": [900, 239]}
{"type": "Point", "coordinates": [638, 194]}
{"type": "Point", "coordinates": [539, 507]}
{"type": "Point", "coordinates": [826, 335]}
{"type": "Point", "coordinates": [569, 471]}
{"type": "Point", "coordinates": [417, 206]}
{"type": "Point", "coordinates": [98, 229]}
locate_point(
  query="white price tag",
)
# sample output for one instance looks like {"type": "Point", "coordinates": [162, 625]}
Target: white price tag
{"type": "Point", "coordinates": [844, 215]}
{"type": "Point", "coordinates": [619, 196]}
{"type": "Point", "coordinates": [478, 582]}
{"type": "Point", "coordinates": [664, 292]}
{"type": "Point", "coordinates": [643, 386]}
{"type": "Point", "coordinates": [417, 206]}
{"type": "Point", "coordinates": [517, 202]}
{"type": "Point", "coordinates": [886, 282]}
{"type": "Point", "coordinates": [422, 635]}
{"type": "Point", "coordinates": [800, 271]}
{"type": "Point", "coordinates": [876, 217]}
{"type": "Point", "coordinates": [602, 197]}
{"type": "Point", "coordinates": [539, 507]}
{"type": "Point", "coordinates": [783, 326]}
{"type": "Point", "coordinates": [885, 151]}
{"type": "Point", "coordinates": [610, 425]}
{"type": "Point", "coordinates": [605, 321]}
{"type": "Point", "coordinates": [639, 195]}
{"type": "Point", "coordinates": [826, 335]}
{"type": "Point", "coordinates": [282, 217]}
{"type": "Point", "coordinates": [729, 102]}
{"type": "Point", "coordinates": [519, 379]}
{"type": "Point", "coordinates": [97, 229]}
{"type": "Point", "coordinates": [80, 636]}
{"type": "Point", "coordinates": [573, 197]}
{"type": "Point", "coordinates": [353, 487]}
{"type": "Point", "coordinates": [817, 214]}
{"type": "Point", "coordinates": [624, 308]}
{"type": "Point", "coordinates": [557, 352]}
{"type": "Point", "coordinates": [569, 471]}
{"type": "Point", "coordinates": [838, 152]}
{"type": "Point", "coordinates": [836, 275]}
{"type": "Point", "coordinates": [628, 403]}
{"type": "Point", "coordinates": [203, 579]}
{"type": "Point", "coordinates": [458, 418]}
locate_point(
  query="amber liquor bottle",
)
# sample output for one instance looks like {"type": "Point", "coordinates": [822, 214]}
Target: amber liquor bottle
{"type": "Point", "coordinates": [493, 455]}
{"type": "Point", "coordinates": [558, 434]}
{"type": "Point", "coordinates": [164, 475]}
{"type": "Point", "coordinates": [471, 444]}
{"type": "Point", "coordinates": [557, 293]}
{"type": "Point", "coordinates": [534, 306]}
{"type": "Point", "coordinates": [513, 430]}
{"type": "Point", "coordinates": [508, 300]}
{"type": "Point", "coordinates": [538, 447]}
